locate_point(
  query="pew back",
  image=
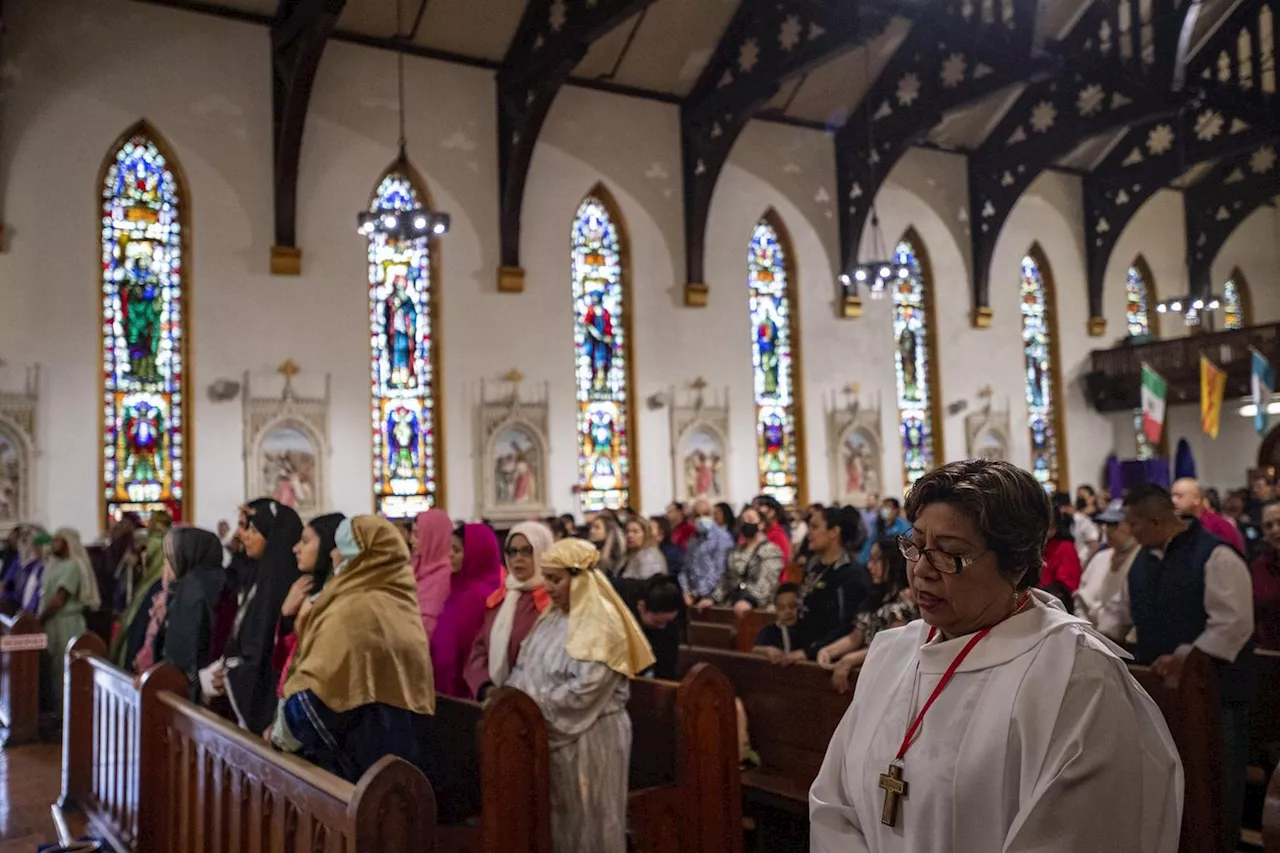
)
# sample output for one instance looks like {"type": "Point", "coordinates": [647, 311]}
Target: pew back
{"type": "Point", "coordinates": [1264, 715]}
{"type": "Point", "coordinates": [20, 680]}
{"type": "Point", "coordinates": [746, 626]}
{"type": "Point", "coordinates": [713, 635]}
{"type": "Point", "coordinates": [1192, 711]}
{"type": "Point", "coordinates": [1271, 816]}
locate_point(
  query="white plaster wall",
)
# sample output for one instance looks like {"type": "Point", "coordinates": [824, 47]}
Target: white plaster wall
{"type": "Point", "coordinates": [68, 94]}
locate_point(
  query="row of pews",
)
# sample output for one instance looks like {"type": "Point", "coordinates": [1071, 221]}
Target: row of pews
{"type": "Point", "coordinates": [152, 772]}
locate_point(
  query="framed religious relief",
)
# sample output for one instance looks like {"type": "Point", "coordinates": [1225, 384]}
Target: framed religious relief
{"type": "Point", "coordinates": [987, 434]}
{"type": "Point", "coordinates": [513, 459]}
{"type": "Point", "coordinates": [286, 440]}
{"type": "Point", "coordinates": [700, 446]}
{"type": "Point", "coordinates": [856, 451]}
{"type": "Point", "coordinates": [17, 453]}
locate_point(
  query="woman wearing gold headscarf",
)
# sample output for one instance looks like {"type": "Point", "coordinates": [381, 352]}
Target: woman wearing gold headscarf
{"type": "Point", "coordinates": [360, 686]}
{"type": "Point", "coordinates": [576, 664]}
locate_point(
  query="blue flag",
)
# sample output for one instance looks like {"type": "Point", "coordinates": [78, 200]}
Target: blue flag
{"type": "Point", "coordinates": [1263, 385]}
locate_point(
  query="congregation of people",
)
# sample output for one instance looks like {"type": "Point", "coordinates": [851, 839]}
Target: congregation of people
{"type": "Point", "coordinates": [332, 639]}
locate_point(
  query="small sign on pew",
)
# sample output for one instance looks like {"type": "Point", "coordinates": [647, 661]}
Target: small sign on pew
{"type": "Point", "coordinates": [24, 643]}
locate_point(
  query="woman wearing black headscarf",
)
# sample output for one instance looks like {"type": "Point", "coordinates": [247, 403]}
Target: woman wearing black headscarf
{"type": "Point", "coordinates": [245, 673]}
{"type": "Point", "coordinates": [196, 592]}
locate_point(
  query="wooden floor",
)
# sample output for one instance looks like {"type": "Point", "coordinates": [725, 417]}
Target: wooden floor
{"type": "Point", "coordinates": [30, 779]}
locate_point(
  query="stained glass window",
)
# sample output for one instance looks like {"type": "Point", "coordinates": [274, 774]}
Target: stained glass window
{"type": "Point", "coordinates": [143, 335]}
{"type": "Point", "coordinates": [603, 352]}
{"type": "Point", "coordinates": [771, 336]}
{"type": "Point", "coordinates": [1232, 306]}
{"type": "Point", "coordinates": [1037, 347]}
{"type": "Point", "coordinates": [911, 363]}
{"type": "Point", "coordinates": [1136, 303]}
{"type": "Point", "coordinates": [405, 420]}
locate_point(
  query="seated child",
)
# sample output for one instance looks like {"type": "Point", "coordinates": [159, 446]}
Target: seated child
{"type": "Point", "coordinates": [778, 642]}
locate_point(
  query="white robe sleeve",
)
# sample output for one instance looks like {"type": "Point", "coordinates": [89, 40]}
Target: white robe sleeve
{"type": "Point", "coordinates": [1112, 779]}
{"type": "Point", "coordinates": [833, 821]}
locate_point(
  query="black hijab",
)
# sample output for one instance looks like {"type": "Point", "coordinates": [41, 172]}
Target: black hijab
{"type": "Point", "coordinates": [251, 679]}
{"type": "Point", "coordinates": [326, 528]}
{"type": "Point", "coordinates": [195, 556]}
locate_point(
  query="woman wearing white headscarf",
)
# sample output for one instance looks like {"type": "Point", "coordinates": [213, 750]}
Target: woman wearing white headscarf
{"type": "Point", "coordinates": [513, 608]}
{"type": "Point", "coordinates": [69, 590]}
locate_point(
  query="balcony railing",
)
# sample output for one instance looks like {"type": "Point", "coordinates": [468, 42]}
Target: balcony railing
{"type": "Point", "coordinates": [1115, 380]}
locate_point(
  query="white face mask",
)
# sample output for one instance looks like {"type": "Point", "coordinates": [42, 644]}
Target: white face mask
{"type": "Point", "coordinates": [886, 513]}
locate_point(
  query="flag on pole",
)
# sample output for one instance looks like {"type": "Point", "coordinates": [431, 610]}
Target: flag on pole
{"type": "Point", "coordinates": [1213, 385]}
{"type": "Point", "coordinates": [1154, 390]}
{"type": "Point", "coordinates": [1263, 385]}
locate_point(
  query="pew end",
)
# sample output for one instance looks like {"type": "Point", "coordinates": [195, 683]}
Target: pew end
{"type": "Point", "coordinates": [513, 732]}
{"type": "Point", "coordinates": [394, 808]}
{"type": "Point", "coordinates": [20, 681]}
{"type": "Point", "coordinates": [1271, 816]}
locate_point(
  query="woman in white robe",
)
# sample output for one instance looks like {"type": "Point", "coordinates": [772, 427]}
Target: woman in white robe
{"type": "Point", "coordinates": [1041, 741]}
{"type": "Point", "coordinates": [576, 664]}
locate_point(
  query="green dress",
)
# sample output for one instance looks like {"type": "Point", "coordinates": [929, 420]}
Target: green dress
{"type": "Point", "coordinates": [62, 627]}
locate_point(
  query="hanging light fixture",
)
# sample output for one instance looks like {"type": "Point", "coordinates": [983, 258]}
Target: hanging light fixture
{"type": "Point", "coordinates": [880, 273]}
{"type": "Point", "coordinates": [1192, 308]}
{"type": "Point", "coordinates": [402, 224]}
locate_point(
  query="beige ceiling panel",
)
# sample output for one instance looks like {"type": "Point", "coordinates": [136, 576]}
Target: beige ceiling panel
{"type": "Point", "coordinates": [376, 18]}
{"type": "Point", "coordinates": [257, 7]}
{"type": "Point", "coordinates": [604, 52]}
{"type": "Point", "coordinates": [477, 28]}
{"type": "Point", "coordinates": [968, 127]}
{"type": "Point", "coordinates": [835, 88]}
{"type": "Point", "coordinates": [1089, 153]}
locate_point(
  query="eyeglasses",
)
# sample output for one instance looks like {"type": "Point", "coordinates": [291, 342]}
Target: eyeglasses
{"type": "Point", "coordinates": [526, 551]}
{"type": "Point", "coordinates": [942, 561]}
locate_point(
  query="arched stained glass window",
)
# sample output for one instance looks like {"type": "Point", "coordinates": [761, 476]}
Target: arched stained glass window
{"type": "Point", "coordinates": [1137, 294]}
{"type": "Point", "coordinates": [1039, 346]}
{"type": "Point", "coordinates": [772, 356]}
{"type": "Point", "coordinates": [602, 342]}
{"type": "Point", "coordinates": [404, 361]}
{"type": "Point", "coordinates": [913, 336]}
{"type": "Point", "coordinates": [144, 346]}
{"type": "Point", "coordinates": [1232, 305]}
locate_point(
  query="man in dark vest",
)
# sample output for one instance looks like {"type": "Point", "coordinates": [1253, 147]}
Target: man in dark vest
{"type": "Point", "coordinates": [1187, 588]}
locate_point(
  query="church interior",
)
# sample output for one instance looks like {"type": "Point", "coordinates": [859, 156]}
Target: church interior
{"type": "Point", "coordinates": [527, 259]}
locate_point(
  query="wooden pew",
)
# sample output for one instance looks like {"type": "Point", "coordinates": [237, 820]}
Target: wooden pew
{"type": "Point", "coordinates": [1192, 710]}
{"type": "Point", "coordinates": [1271, 816]}
{"type": "Point", "coordinates": [209, 786]}
{"type": "Point", "coordinates": [684, 778]}
{"type": "Point", "coordinates": [1264, 712]}
{"type": "Point", "coordinates": [790, 753]}
{"type": "Point", "coordinates": [496, 767]}
{"type": "Point", "coordinates": [747, 626]}
{"type": "Point", "coordinates": [20, 679]}
{"type": "Point", "coordinates": [713, 635]}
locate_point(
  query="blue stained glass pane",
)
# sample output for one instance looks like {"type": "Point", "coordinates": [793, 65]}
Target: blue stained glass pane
{"type": "Point", "coordinates": [770, 304]}
{"type": "Point", "coordinates": [1037, 349]}
{"type": "Point", "coordinates": [911, 366]}
{"type": "Point", "coordinates": [1232, 307]}
{"type": "Point", "coordinates": [402, 376]}
{"type": "Point", "coordinates": [143, 278]}
{"type": "Point", "coordinates": [599, 334]}
{"type": "Point", "coordinates": [1135, 289]}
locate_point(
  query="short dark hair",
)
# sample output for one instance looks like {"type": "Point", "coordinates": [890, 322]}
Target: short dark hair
{"type": "Point", "coordinates": [1151, 500]}
{"type": "Point", "coordinates": [661, 594]}
{"type": "Point", "coordinates": [784, 588]}
{"type": "Point", "coordinates": [893, 502]}
{"type": "Point", "coordinates": [853, 533]}
{"type": "Point", "coordinates": [678, 505]}
{"type": "Point", "coordinates": [1062, 499]}
{"type": "Point", "coordinates": [895, 565]}
{"type": "Point", "coordinates": [1007, 505]}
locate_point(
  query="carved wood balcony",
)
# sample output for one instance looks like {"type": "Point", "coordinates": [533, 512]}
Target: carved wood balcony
{"type": "Point", "coordinates": [1114, 381]}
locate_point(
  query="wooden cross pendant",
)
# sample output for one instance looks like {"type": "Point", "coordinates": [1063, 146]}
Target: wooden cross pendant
{"type": "Point", "coordinates": [895, 787]}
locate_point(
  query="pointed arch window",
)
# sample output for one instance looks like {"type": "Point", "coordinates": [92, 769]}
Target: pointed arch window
{"type": "Point", "coordinates": [1139, 299]}
{"type": "Point", "coordinates": [144, 336]}
{"type": "Point", "coordinates": [404, 356]}
{"type": "Point", "coordinates": [774, 353]}
{"type": "Point", "coordinates": [914, 362]}
{"type": "Point", "coordinates": [1235, 303]}
{"type": "Point", "coordinates": [602, 342]}
{"type": "Point", "coordinates": [1040, 355]}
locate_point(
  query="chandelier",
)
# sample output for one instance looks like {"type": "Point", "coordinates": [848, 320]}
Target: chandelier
{"type": "Point", "coordinates": [1192, 308]}
{"type": "Point", "coordinates": [417, 221]}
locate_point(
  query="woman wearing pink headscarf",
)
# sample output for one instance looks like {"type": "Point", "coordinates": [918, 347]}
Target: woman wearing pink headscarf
{"type": "Point", "coordinates": [432, 567]}
{"type": "Point", "coordinates": [463, 614]}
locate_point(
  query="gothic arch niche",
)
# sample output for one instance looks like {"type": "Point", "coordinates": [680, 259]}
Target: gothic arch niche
{"type": "Point", "coordinates": [774, 304]}
{"type": "Point", "coordinates": [919, 402]}
{"type": "Point", "coordinates": [856, 451]}
{"type": "Point", "coordinates": [988, 435]}
{"type": "Point", "coordinates": [144, 254]}
{"type": "Point", "coordinates": [1237, 306]}
{"type": "Point", "coordinates": [17, 453]}
{"type": "Point", "coordinates": [1040, 344]}
{"type": "Point", "coordinates": [1141, 297]}
{"type": "Point", "coordinates": [608, 456]}
{"type": "Point", "coordinates": [287, 448]}
{"type": "Point", "coordinates": [700, 448]}
{"type": "Point", "coordinates": [406, 387]}
{"type": "Point", "coordinates": [514, 461]}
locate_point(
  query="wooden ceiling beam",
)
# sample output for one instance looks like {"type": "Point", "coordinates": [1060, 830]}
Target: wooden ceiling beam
{"type": "Point", "coordinates": [767, 43]}
{"type": "Point", "coordinates": [298, 37]}
{"type": "Point", "coordinates": [956, 54]}
{"type": "Point", "coordinates": [553, 37]}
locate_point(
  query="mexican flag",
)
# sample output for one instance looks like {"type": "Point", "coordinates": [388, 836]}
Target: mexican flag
{"type": "Point", "coordinates": [1154, 390]}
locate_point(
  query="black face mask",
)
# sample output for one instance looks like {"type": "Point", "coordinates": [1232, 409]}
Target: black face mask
{"type": "Point", "coordinates": [1081, 504]}
{"type": "Point", "coordinates": [749, 531]}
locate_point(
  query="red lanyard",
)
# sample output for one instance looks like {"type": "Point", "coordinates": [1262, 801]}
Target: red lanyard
{"type": "Point", "coordinates": [946, 676]}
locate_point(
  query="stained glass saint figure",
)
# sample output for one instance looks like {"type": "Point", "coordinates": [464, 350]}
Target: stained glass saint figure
{"type": "Point", "coordinates": [1037, 336]}
{"type": "Point", "coordinates": [601, 342]}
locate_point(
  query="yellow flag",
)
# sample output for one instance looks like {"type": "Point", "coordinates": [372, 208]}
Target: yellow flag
{"type": "Point", "coordinates": [1213, 385]}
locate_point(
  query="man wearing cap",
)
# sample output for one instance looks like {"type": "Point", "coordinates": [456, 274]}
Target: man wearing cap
{"type": "Point", "coordinates": [1188, 500]}
{"type": "Point", "coordinates": [1108, 570]}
